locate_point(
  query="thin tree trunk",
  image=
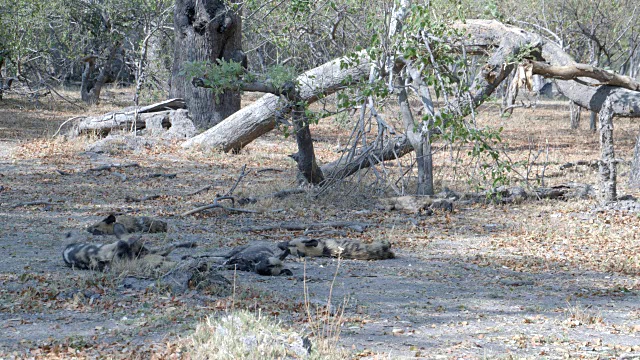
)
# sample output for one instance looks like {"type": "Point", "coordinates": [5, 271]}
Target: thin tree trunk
{"type": "Point", "coordinates": [205, 30]}
{"type": "Point", "coordinates": [574, 115]}
{"type": "Point", "coordinates": [592, 120]}
{"type": "Point", "coordinates": [634, 174]}
{"type": "Point", "coordinates": [607, 166]}
{"type": "Point", "coordinates": [305, 157]}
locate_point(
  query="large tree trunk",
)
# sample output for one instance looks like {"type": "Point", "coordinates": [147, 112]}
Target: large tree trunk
{"type": "Point", "coordinates": [205, 30]}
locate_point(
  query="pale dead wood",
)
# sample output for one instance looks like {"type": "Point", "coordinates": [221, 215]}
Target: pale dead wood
{"type": "Point", "coordinates": [122, 119]}
{"type": "Point", "coordinates": [356, 226]}
{"type": "Point", "coordinates": [577, 70]}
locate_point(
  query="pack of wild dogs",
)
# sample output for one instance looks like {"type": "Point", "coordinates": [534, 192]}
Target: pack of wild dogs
{"type": "Point", "coordinates": [261, 259]}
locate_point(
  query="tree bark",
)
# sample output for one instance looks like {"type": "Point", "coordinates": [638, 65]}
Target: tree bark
{"type": "Point", "coordinates": [305, 157]}
{"type": "Point", "coordinates": [205, 30]}
{"type": "Point", "coordinates": [90, 88]}
{"type": "Point", "coordinates": [607, 171]}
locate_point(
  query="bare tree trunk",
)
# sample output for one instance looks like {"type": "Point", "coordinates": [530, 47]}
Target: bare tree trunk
{"type": "Point", "coordinates": [305, 157]}
{"type": "Point", "coordinates": [607, 166]}
{"type": "Point", "coordinates": [91, 88]}
{"type": "Point", "coordinates": [574, 115]}
{"type": "Point", "coordinates": [205, 30]}
{"type": "Point", "coordinates": [592, 120]}
{"type": "Point", "coordinates": [1, 78]}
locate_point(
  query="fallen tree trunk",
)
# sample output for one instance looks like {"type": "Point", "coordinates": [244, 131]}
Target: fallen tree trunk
{"type": "Point", "coordinates": [574, 71]}
{"type": "Point", "coordinates": [123, 119]}
{"type": "Point", "coordinates": [255, 120]}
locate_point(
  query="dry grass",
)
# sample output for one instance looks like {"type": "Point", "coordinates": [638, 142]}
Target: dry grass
{"type": "Point", "coordinates": [246, 335]}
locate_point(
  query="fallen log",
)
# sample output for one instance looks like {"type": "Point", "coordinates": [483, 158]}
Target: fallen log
{"type": "Point", "coordinates": [154, 115]}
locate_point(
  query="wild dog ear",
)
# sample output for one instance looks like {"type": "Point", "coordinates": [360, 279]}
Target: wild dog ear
{"type": "Point", "coordinates": [110, 219]}
{"type": "Point", "coordinates": [283, 245]}
{"type": "Point", "coordinates": [119, 230]}
{"type": "Point", "coordinates": [310, 243]}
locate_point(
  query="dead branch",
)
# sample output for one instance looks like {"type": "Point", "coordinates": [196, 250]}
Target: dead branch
{"type": "Point", "coordinates": [212, 206]}
{"type": "Point", "coordinates": [203, 189]}
{"type": "Point", "coordinates": [142, 199]}
{"type": "Point", "coordinates": [168, 176]}
{"type": "Point", "coordinates": [216, 205]}
{"type": "Point", "coordinates": [356, 226]}
{"type": "Point", "coordinates": [278, 195]}
{"type": "Point", "coordinates": [111, 166]}
{"type": "Point", "coordinates": [240, 177]}
{"type": "Point", "coordinates": [32, 203]}
{"type": "Point", "coordinates": [577, 70]}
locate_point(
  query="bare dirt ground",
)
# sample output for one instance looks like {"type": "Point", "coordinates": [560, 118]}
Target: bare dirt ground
{"type": "Point", "coordinates": [542, 279]}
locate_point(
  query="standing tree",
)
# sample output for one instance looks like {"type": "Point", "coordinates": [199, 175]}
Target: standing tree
{"type": "Point", "coordinates": [208, 31]}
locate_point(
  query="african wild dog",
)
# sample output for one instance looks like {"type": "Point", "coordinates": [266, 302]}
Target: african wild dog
{"type": "Point", "coordinates": [132, 224]}
{"type": "Point", "coordinates": [99, 256]}
{"type": "Point", "coordinates": [257, 258]}
{"type": "Point", "coordinates": [344, 248]}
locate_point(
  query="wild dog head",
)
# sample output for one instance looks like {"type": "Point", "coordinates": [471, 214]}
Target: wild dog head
{"type": "Point", "coordinates": [104, 227]}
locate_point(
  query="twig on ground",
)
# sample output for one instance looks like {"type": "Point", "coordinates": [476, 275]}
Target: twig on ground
{"type": "Point", "coordinates": [199, 190]}
{"type": "Point", "coordinates": [144, 198]}
{"type": "Point", "coordinates": [240, 177]}
{"type": "Point", "coordinates": [168, 176]}
{"type": "Point", "coordinates": [269, 169]}
{"type": "Point", "coordinates": [111, 166]}
{"type": "Point", "coordinates": [33, 203]}
{"type": "Point", "coordinates": [64, 173]}
{"type": "Point", "coordinates": [356, 226]}
{"type": "Point", "coordinates": [216, 205]}
{"type": "Point", "coordinates": [278, 194]}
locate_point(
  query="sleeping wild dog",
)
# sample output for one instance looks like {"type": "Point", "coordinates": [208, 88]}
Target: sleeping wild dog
{"type": "Point", "coordinates": [344, 248]}
{"type": "Point", "coordinates": [257, 258]}
{"type": "Point", "coordinates": [99, 256]}
{"type": "Point", "coordinates": [132, 224]}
